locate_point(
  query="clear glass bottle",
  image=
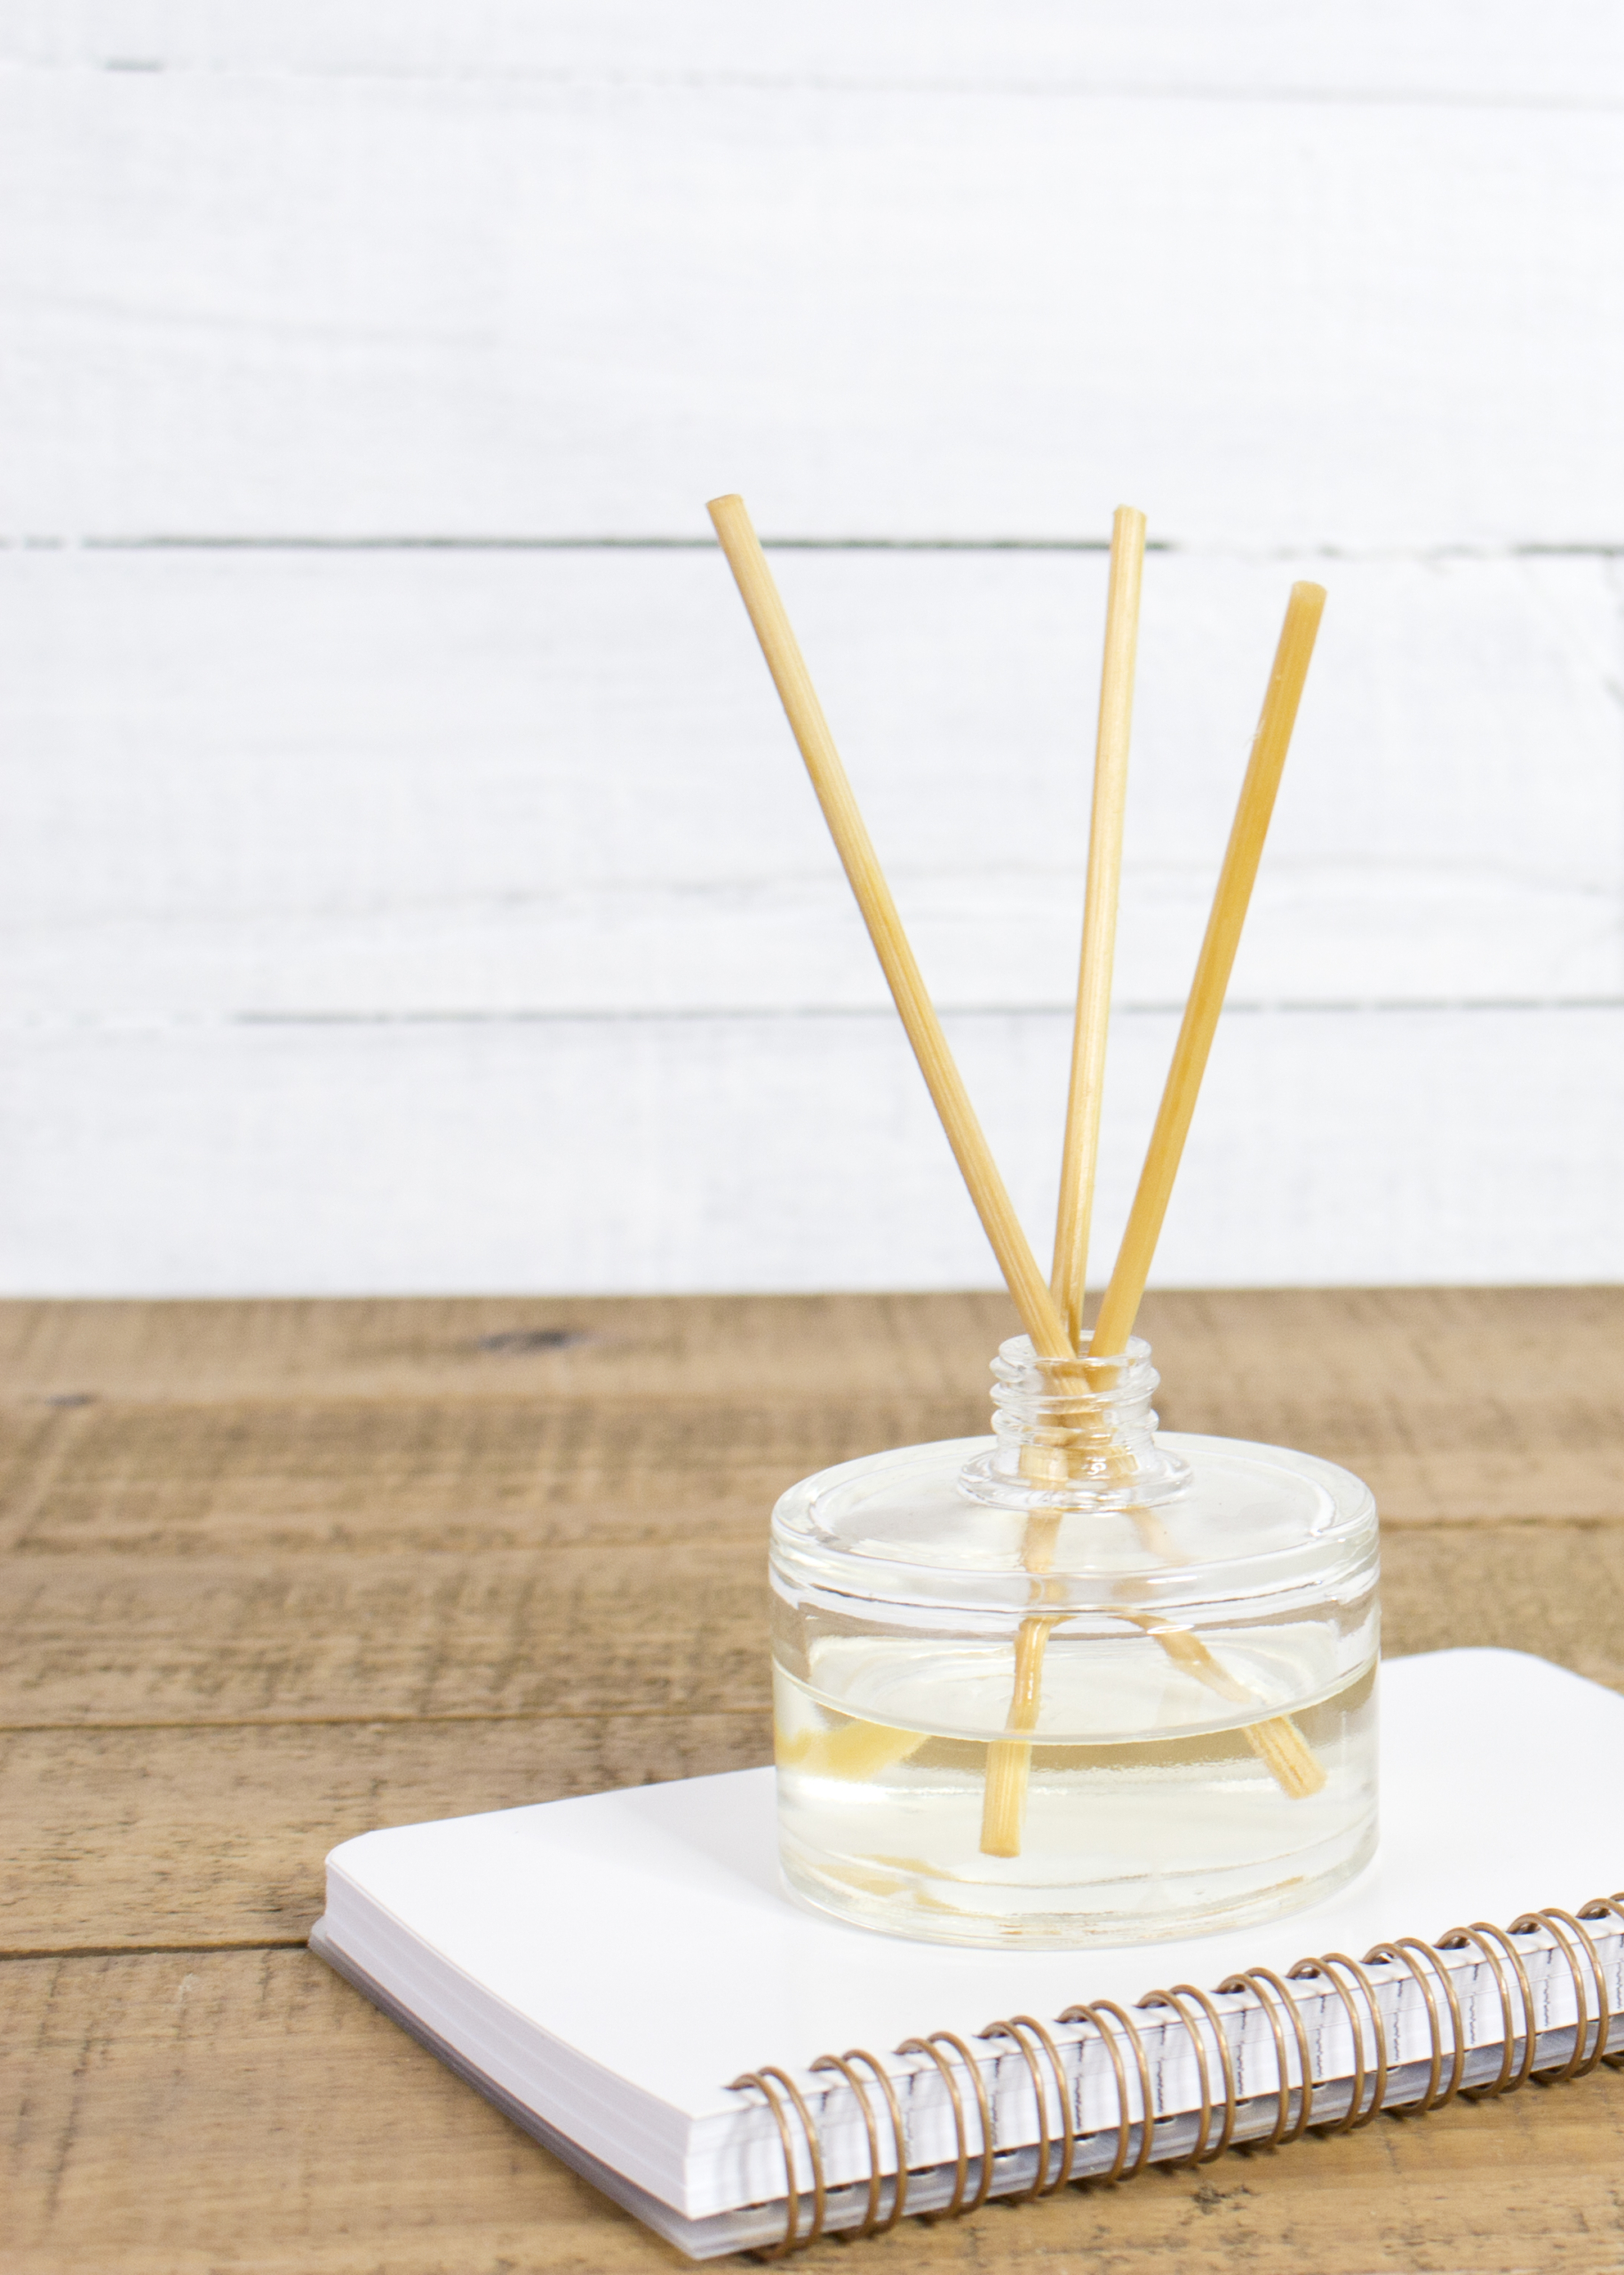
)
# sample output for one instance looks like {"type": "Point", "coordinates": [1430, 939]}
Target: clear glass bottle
{"type": "Point", "coordinates": [1077, 1683]}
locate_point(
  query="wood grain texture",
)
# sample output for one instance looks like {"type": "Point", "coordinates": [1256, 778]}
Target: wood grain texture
{"type": "Point", "coordinates": [308, 1639]}
{"type": "Point", "coordinates": [1378, 1349]}
{"type": "Point", "coordinates": [465, 783]}
{"type": "Point", "coordinates": [278, 1571]}
{"type": "Point", "coordinates": [209, 1830]}
{"type": "Point", "coordinates": [429, 278]}
{"type": "Point", "coordinates": [606, 1352]}
{"type": "Point", "coordinates": [195, 1837]}
{"type": "Point", "coordinates": [176, 1429]}
{"type": "Point", "coordinates": [389, 927]}
{"type": "Point", "coordinates": [646, 1155]}
{"type": "Point", "coordinates": [182, 2106]}
{"type": "Point", "coordinates": [1568, 52]}
{"type": "Point", "coordinates": [266, 303]}
{"type": "Point", "coordinates": [201, 1481]}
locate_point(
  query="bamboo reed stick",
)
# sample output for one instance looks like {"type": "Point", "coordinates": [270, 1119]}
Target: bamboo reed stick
{"type": "Point", "coordinates": [1037, 1308]}
{"type": "Point", "coordinates": [1080, 1152]}
{"type": "Point", "coordinates": [1277, 1742]}
{"type": "Point", "coordinates": [865, 1749]}
{"type": "Point", "coordinates": [1009, 1760]}
{"type": "Point", "coordinates": [1119, 1306]}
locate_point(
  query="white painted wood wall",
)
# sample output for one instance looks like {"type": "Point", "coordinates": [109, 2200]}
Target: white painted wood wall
{"type": "Point", "coordinates": [407, 880]}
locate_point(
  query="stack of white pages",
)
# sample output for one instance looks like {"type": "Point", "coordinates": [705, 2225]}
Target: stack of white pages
{"type": "Point", "coordinates": [603, 1969]}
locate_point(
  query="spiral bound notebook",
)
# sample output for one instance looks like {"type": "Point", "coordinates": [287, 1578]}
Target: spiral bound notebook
{"type": "Point", "coordinates": [624, 1976]}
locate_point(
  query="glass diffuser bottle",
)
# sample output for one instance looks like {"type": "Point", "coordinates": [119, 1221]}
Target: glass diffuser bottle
{"type": "Point", "coordinates": [1078, 1682]}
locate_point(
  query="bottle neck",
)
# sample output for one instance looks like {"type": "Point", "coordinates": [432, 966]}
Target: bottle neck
{"type": "Point", "coordinates": [1074, 1433]}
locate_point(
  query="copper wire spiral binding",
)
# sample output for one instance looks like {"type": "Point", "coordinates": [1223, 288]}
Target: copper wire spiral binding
{"type": "Point", "coordinates": [1254, 1981]}
{"type": "Point", "coordinates": [1598, 1907]}
{"type": "Point", "coordinates": [1201, 2154]}
{"type": "Point", "coordinates": [1557, 1924]}
{"type": "Point", "coordinates": [1323, 1970]}
{"type": "Point", "coordinates": [872, 2224]}
{"type": "Point", "coordinates": [1453, 1939]}
{"type": "Point", "coordinates": [1403, 1953]}
{"type": "Point", "coordinates": [1014, 2028]}
{"type": "Point", "coordinates": [932, 2046]}
{"type": "Point", "coordinates": [1204, 2025]}
{"type": "Point", "coordinates": [761, 2078]}
{"type": "Point", "coordinates": [1121, 2170]}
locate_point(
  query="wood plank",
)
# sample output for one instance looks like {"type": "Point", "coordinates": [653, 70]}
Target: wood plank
{"type": "Point", "coordinates": [1454, 1403]}
{"type": "Point", "coordinates": [168, 879]}
{"type": "Point", "coordinates": [437, 1476]}
{"type": "Point", "coordinates": [1556, 1590]}
{"type": "Point", "coordinates": [199, 1838]}
{"type": "Point", "coordinates": [196, 1639]}
{"type": "Point", "coordinates": [261, 1479]}
{"type": "Point", "coordinates": [206, 1835]}
{"type": "Point", "coordinates": [577, 793]}
{"type": "Point", "coordinates": [644, 1154]}
{"type": "Point", "coordinates": [260, 303]}
{"type": "Point", "coordinates": [1567, 52]}
{"type": "Point", "coordinates": [1374, 1350]}
{"type": "Point", "coordinates": [144, 1640]}
{"type": "Point", "coordinates": [167, 2098]}
{"type": "Point", "coordinates": [178, 2100]}
{"type": "Point", "coordinates": [181, 1429]}
{"type": "Point", "coordinates": [465, 1352]}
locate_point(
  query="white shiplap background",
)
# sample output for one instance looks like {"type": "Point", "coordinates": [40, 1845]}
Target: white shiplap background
{"type": "Point", "coordinates": [407, 882]}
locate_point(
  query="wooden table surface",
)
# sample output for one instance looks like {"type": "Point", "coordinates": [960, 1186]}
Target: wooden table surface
{"type": "Point", "coordinates": [277, 1572]}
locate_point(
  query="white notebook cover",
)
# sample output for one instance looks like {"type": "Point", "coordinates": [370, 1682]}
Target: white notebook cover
{"type": "Point", "coordinates": [610, 1963]}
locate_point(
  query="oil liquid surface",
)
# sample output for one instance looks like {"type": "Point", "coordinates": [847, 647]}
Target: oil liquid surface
{"type": "Point", "coordinates": [1150, 1812]}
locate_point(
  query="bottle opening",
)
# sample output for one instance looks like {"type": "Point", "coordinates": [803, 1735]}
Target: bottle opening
{"type": "Point", "coordinates": [1074, 1433]}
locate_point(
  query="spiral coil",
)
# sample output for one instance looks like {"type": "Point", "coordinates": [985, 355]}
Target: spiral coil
{"type": "Point", "coordinates": [1055, 2085]}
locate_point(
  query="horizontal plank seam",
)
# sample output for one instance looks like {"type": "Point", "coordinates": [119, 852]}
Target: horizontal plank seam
{"type": "Point", "coordinates": [487, 1387]}
{"type": "Point", "coordinates": [375, 1721]}
{"type": "Point", "coordinates": [495, 542]}
{"type": "Point", "coordinates": [408, 541]}
{"type": "Point", "coordinates": [602, 79]}
{"type": "Point", "coordinates": [269, 1548]}
{"type": "Point", "coordinates": [87, 1023]}
{"type": "Point", "coordinates": [1260, 1007]}
{"type": "Point", "coordinates": [35, 1552]}
{"type": "Point", "coordinates": [147, 1950]}
{"type": "Point", "coordinates": [32, 1555]}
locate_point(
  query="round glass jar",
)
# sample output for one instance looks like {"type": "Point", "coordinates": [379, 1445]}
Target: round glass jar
{"type": "Point", "coordinates": [1077, 1683]}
